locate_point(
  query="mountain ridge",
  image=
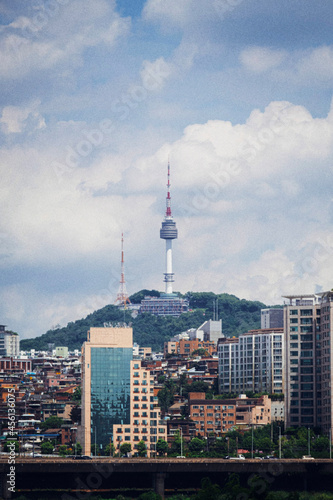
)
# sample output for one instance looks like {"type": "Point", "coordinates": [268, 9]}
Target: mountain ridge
{"type": "Point", "coordinates": [238, 316]}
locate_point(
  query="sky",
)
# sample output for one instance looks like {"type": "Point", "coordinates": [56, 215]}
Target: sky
{"type": "Point", "coordinates": [97, 97]}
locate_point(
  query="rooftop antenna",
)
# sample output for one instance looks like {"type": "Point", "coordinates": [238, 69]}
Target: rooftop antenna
{"type": "Point", "coordinates": [122, 295]}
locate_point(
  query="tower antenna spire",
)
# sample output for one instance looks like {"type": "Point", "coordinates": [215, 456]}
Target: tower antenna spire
{"type": "Point", "coordinates": [122, 295]}
{"type": "Point", "coordinates": [168, 232]}
{"type": "Point", "coordinates": [168, 198]}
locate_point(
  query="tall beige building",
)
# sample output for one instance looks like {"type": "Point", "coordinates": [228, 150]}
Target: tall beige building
{"type": "Point", "coordinates": [106, 385]}
{"type": "Point", "coordinates": [145, 415]}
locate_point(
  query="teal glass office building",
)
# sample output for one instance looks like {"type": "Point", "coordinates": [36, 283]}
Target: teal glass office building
{"type": "Point", "coordinates": [110, 392]}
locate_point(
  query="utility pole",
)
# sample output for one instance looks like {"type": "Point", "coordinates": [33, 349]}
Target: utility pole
{"type": "Point", "coordinates": [181, 441]}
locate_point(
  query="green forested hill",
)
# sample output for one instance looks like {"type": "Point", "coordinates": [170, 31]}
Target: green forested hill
{"type": "Point", "coordinates": [238, 316]}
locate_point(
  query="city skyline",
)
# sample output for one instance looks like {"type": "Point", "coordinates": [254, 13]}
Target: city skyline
{"type": "Point", "coordinates": [96, 98]}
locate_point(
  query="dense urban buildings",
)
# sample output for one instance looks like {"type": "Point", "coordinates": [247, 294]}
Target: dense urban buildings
{"type": "Point", "coordinates": [218, 416]}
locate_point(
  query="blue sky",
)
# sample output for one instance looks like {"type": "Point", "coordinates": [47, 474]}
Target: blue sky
{"type": "Point", "coordinates": [96, 96]}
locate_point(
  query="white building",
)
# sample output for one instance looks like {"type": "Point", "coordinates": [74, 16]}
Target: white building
{"type": "Point", "coordinates": [9, 343]}
{"type": "Point", "coordinates": [212, 330]}
{"type": "Point", "coordinates": [252, 362]}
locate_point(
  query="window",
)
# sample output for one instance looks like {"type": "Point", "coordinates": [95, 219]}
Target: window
{"type": "Point", "coordinates": [306, 345]}
{"type": "Point", "coordinates": [306, 369]}
{"type": "Point", "coordinates": [306, 387]}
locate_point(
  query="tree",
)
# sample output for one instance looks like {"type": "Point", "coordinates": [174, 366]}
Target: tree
{"type": "Point", "coordinates": [200, 352]}
{"type": "Point", "coordinates": [142, 449]}
{"type": "Point", "coordinates": [109, 451]}
{"type": "Point", "coordinates": [150, 495]}
{"type": "Point", "coordinates": [63, 451]}
{"type": "Point", "coordinates": [125, 448]}
{"type": "Point", "coordinates": [77, 394]}
{"type": "Point", "coordinates": [46, 448]}
{"type": "Point", "coordinates": [77, 449]}
{"type": "Point", "coordinates": [75, 415]}
{"type": "Point", "coordinates": [209, 491]}
{"type": "Point", "coordinates": [196, 445]}
{"type": "Point", "coordinates": [9, 442]}
{"type": "Point", "coordinates": [52, 423]}
{"type": "Point", "coordinates": [166, 395]}
{"type": "Point", "coordinates": [161, 378]}
{"type": "Point", "coordinates": [162, 447]}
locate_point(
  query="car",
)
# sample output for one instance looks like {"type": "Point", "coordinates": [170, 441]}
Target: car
{"type": "Point", "coordinates": [270, 457]}
{"type": "Point", "coordinates": [307, 457]}
{"type": "Point", "coordinates": [181, 456]}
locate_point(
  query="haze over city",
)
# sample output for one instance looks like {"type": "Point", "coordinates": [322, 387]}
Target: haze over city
{"type": "Point", "coordinates": [98, 96]}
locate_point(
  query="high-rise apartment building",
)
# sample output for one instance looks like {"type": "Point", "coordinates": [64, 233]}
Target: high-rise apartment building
{"type": "Point", "coordinates": [325, 352]}
{"type": "Point", "coordinates": [106, 384]}
{"type": "Point", "coordinates": [309, 360]}
{"type": "Point", "coordinates": [252, 362]}
{"type": "Point", "coordinates": [145, 415]}
{"type": "Point", "coordinates": [302, 369]}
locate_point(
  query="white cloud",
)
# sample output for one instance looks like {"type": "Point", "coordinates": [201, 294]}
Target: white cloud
{"type": "Point", "coordinates": [261, 59]}
{"type": "Point", "coordinates": [45, 40]}
{"type": "Point", "coordinates": [176, 12]}
{"type": "Point", "coordinates": [316, 65]}
{"type": "Point", "coordinates": [15, 119]}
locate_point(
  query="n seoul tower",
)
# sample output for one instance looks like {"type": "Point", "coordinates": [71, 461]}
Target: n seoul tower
{"type": "Point", "coordinates": [168, 232]}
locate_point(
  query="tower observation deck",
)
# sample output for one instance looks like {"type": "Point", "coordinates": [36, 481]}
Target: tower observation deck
{"type": "Point", "coordinates": [168, 232]}
{"type": "Point", "coordinates": [169, 303]}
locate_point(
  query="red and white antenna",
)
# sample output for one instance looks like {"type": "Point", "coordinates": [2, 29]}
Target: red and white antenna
{"type": "Point", "coordinates": [168, 198]}
{"type": "Point", "coordinates": [122, 295]}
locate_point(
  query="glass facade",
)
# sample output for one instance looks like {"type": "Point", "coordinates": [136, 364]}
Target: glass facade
{"type": "Point", "coordinates": [110, 391]}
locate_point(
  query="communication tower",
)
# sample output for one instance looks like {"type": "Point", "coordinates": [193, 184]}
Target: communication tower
{"type": "Point", "coordinates": [122, 295]}
{"type": "Point", "coordinates": [168, 232]}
